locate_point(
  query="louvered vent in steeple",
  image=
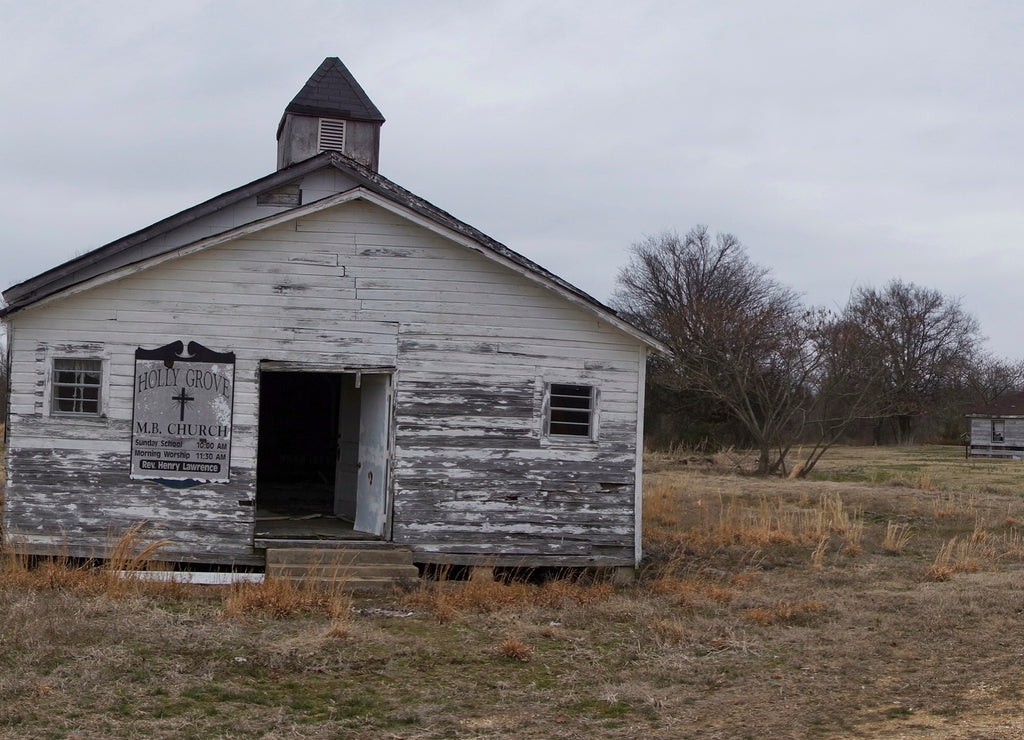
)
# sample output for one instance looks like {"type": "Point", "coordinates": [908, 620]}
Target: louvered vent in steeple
{"type": "Point", "coordinates": [330, 113]}
{"type": "Point", "coordinates": [332, 135]}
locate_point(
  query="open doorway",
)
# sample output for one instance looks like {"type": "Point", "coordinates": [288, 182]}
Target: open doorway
{"type": "Point", "coordinates": [322, 457]}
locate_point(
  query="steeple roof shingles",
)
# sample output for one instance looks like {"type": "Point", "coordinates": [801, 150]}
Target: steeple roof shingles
{"type": "Point", "coordinates": [333, 92]}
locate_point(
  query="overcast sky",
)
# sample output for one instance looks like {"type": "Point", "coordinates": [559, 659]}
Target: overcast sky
{"type": "Point", "coordinates": [845, 144]}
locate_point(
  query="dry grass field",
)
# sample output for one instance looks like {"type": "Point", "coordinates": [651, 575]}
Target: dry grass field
{"type": "Point", "coordinates": [881, 599]}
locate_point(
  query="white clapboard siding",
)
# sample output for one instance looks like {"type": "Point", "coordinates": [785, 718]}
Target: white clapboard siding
{"type": "Point", "coordinates": [472, 342]}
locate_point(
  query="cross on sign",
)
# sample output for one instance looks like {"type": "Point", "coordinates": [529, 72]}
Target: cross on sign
{"type": "Point", "coordinates": [182, 399]}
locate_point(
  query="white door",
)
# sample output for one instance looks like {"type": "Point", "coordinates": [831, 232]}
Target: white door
{"type": "Point", "coordinates": [372, 480]}
{"type": "Point", "coordinates": [346, 469]}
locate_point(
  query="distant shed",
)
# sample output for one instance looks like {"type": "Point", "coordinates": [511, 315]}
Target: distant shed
{"type": "Point", "coordinates": [997, 429]}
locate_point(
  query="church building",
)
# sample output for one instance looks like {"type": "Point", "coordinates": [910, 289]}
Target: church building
{"type": "Point", "coordinates": [322, 357]}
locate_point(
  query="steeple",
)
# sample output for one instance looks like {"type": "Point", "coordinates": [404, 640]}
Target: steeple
{"type": "Point", "coordinates": [331, 112]}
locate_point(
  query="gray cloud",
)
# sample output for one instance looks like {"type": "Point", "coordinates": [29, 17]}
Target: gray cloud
{"type": "Point", "coordinates": [845, 144]}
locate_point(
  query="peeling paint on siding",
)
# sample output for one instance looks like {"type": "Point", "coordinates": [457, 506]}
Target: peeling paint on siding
{"type": "Point", "coordinates": [471, 344]}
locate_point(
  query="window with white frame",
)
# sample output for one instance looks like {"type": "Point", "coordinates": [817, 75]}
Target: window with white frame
{"type": "Point", "coordinates": [998, 428]}
{"type": "Point", "coordinates": [571, 409]}
{"type": "Point", "coordinates": [75, 386]}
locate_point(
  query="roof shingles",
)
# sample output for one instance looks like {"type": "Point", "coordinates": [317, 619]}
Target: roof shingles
{"type": "Point", "coordinates": [332, 91]}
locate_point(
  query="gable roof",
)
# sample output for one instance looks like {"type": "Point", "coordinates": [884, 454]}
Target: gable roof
{"type": "Point", "coordinates": [333, 92]}
{"type": "Point", "coordinates": [144, 244]}
{"type": "Point", "coordinates": [1008, 404]}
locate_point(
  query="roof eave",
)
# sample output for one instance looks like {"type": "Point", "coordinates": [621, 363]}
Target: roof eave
{"type": "Point", "coordinates": [29, 291]}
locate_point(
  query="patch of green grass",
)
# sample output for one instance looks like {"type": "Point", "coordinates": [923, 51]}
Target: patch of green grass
{"type": "Point", "coordinates": [603, 708]}
{"type": "Point", "coordinates": [216, 692]}
{"type": "Point", "coordinates": [839, 475]}
{"type": "Point", "coordinates": [359, 706]}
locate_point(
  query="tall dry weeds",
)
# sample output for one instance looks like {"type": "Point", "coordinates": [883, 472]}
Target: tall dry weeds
{"type": "Point", "coordinates": [50, 573]}
{"type": "Point", "coordinates": [130, 554]}
{"type": "Point", "coordinates": [786, 612]}
{"type": "Point", "coordinates": [280, 598]}
{"type": "Point", "coordinates": [695, 590]}
{"type": "Point", "coordinates": [676, 518]}
{"type": "Point", "coordinates": [897, 537]}
{"type": "Point", "coordinates": [956, 506]}
{"type": "Point", "coordinates": [115, 575]}
{"type": "Point", "coordinates": [964, 555]}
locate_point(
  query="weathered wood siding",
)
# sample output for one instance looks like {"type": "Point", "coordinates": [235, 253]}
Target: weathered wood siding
{"type": "Point", "coordinates": [982, 444]}
{"type": "Point", "coordinates": [472, 343]}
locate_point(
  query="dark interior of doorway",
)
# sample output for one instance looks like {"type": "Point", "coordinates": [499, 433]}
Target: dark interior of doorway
{"type": "Point", "coordinates": [295, 465]}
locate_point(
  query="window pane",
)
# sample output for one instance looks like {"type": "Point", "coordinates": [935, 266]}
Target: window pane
{"type": "Point", "coordinates": [76, 386]}
{"type": "Point", "coordinates": [571, 402]}
{"type": "Point", "coordinates": [570, 410]}
{"type": "Point", "coordinates": [575, 417]}
{"type": "Point", "coordinates": [561, 389]}
{"type": "Point", "coordinates": [570, 429]}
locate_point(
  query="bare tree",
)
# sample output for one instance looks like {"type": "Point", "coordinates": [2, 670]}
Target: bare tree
{"type": "Point", "coordinates": [737, 336]}
{"type": "Point", "coordinates": [989, 377]}
{"type": "Point", "coordinates": [845, 390]}
{"type": "Point", "coordinates": [915, 342]}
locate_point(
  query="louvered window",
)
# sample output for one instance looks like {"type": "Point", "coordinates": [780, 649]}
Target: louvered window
{"type": "Point", "coordinates": [76, 386]}
{"type": "Point", "coordinates": [332, 135]}
{"type": "Point", "coordinates": [571, 410]}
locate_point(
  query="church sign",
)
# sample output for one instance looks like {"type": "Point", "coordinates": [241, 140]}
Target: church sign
{"type": "Point", "coordinates": [181, 419]}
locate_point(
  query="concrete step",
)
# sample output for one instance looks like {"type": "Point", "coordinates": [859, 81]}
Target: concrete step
{"type": "Point", "coordinates": [351, 569]}
{"type": "Point", "coordinates": [363, 570]}
{"type": "Point", "coordinates": [338, 556]}
{"type": "Point", "coordinates": [354, 584]}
